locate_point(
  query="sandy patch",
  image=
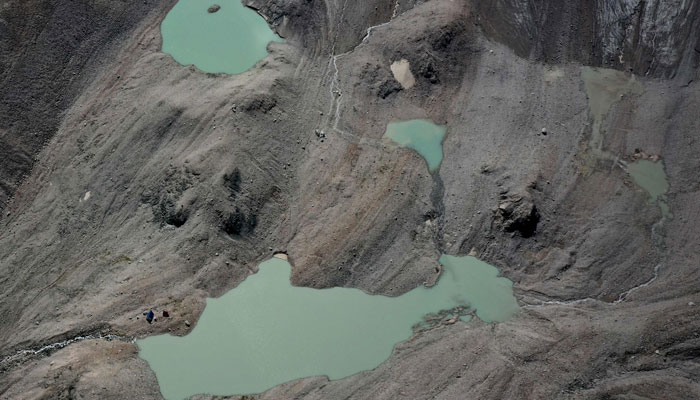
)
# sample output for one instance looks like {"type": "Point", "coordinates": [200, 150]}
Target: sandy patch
{"type": "Point", "coordinates": [553, 74]}
{"type": "Point", "coordinates": [402, 73]}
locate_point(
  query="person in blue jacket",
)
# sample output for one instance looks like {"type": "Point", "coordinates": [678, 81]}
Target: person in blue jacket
{"type": "Point", "coordinates": [149, 316]}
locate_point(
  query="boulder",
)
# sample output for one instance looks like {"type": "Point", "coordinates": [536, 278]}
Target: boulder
{"type": "Point", "coordinates": [517, 214]}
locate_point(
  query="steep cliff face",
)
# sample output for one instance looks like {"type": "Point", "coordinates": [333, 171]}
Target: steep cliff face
{"type": "Point", "coordinates": [157, 185]}
{"type": "Point", "coordinates": [648, 38]}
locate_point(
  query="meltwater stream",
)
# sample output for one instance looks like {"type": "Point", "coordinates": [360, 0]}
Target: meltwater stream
{"type": "Point", "coordinates": [266, 332]}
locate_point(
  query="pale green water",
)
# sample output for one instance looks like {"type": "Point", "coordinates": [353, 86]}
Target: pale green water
{"type": "Point", "coordinates": [230, 40]}
{"type": "Point", "coordinates": [266, 331]}
{"type": "Point", "coordinates": [604, 88]}
{"type": "Point", "coordinates": [651, 177]}
{"type": "Point", "coordinates": [421, 135]}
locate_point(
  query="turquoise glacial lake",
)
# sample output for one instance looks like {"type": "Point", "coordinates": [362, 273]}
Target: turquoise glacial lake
{"type": "Point", "coordinates": [651, 176]}
{"type": "Point", "coordinates": [266, 332]}
{"type": "Point", "coordinates": [420, 135]}
{"type": "Point", "coordinates": [229, 41]}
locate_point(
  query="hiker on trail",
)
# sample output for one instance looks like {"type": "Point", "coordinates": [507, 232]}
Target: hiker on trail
{"type": "Point", "coordinates": [149, 316]}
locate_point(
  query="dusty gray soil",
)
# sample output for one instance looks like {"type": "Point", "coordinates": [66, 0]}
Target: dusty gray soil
{"type": "Point", "coordinates": [195, 178]}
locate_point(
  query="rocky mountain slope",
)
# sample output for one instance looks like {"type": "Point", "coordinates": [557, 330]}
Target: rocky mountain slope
{"type": "Point", "coordinates": [128, 181]}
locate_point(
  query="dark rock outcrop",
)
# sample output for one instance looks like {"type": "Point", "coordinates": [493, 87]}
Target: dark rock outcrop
{"type": "Point", "coordinates": [238, 223]}
{"type": "Point", "coordinates": [387, 88]}
{"type": "Point", "coordinates": [517, 214]}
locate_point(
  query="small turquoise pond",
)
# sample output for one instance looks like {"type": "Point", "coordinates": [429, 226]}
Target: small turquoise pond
{"type": "Point", "coordinates": [229, 41]}
{"type": "Point", "coordinates": [421, 135]}
{"type": "Point", "coordinates": [266, 332]}
{"type": "Point", "coordinates": [651, 176]}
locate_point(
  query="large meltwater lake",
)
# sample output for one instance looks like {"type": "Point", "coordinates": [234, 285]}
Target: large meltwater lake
{"type": "Point", "coordinates": [266, 332]}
